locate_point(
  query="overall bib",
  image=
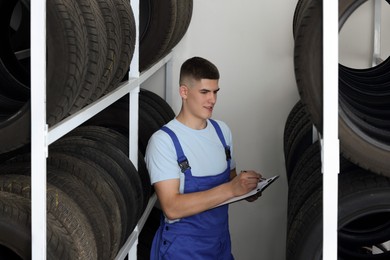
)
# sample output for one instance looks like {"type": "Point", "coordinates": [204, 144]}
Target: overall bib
{"type": "Point", "coordinates": [204, 236]}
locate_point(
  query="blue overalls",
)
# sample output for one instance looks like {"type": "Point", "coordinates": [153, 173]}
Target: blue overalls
{"type": "Point", "coordinates": [204, 236]}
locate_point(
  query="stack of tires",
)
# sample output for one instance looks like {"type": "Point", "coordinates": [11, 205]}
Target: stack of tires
{"type": "Point", "coordinates": [154, 112]}
{"type": "Point", "coordinates": [96, 192]}
{"type": "Point", "coordinates": [364, 179]}
{"type": "Point", "coordinates": [90, 44]}
{"type": "Point", "coordinates": [95, 195]}
{"type": "Point", "coordinates": [163, 24]}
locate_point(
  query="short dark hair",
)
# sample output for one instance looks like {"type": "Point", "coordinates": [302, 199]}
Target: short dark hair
{"type": "Point", "coordinates": [197, 68]}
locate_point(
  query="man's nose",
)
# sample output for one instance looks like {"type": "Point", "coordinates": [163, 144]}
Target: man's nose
{"type": "Point", "coordinates": [213, 97]}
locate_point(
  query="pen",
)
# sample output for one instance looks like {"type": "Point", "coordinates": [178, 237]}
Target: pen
{"type": "Point", "coordinates": [260, 179]}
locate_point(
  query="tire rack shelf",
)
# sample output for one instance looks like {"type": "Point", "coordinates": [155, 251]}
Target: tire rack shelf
{"type": "Point", "coordinates": [42, 137]}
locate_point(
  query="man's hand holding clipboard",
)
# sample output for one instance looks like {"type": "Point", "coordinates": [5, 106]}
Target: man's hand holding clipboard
{"type": "Point", "coordinates": [261, 186]}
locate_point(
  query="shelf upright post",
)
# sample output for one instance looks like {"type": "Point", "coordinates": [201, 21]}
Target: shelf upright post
{"type": "Point", "coordinates": [131, 249]}
{"type": "Point", "coordinates": [134, 93]}
{"type": "Point", "coordinates": [330, 143]}
{"type": "Point", "coordinates": [39, 149]}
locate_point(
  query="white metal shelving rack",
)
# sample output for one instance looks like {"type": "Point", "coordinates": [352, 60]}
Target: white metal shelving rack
{"type": "Point", "coordinates": [42, 137]}
{"type": "Point", "coordinates": [330, 142]}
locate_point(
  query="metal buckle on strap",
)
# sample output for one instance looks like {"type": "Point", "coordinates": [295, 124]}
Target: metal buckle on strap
{"type": "Point", "coordinates": [184, 165]}
{"type": "Point", "coordinates": [227, 152]}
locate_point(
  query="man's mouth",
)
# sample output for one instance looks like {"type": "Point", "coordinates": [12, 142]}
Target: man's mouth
{"type": "Point", "coordinates": [210, 108]}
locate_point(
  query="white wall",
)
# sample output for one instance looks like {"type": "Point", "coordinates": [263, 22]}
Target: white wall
{"type": "Point", "coordinates": [251, 43]}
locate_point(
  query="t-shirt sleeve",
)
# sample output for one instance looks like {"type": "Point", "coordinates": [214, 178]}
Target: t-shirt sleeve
{"type": "Point", "coordinates": [161, 159]}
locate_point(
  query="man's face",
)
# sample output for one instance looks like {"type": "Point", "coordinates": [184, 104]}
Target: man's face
{"type": "Point", "coordinates": [201, 98]}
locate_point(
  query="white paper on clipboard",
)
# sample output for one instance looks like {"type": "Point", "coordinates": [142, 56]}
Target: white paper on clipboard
{"type": "Point", "coordinates": [260, 187]}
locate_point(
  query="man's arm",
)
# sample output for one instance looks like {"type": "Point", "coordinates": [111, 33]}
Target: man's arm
{"type": "Point", "coordinates": [176, 205]}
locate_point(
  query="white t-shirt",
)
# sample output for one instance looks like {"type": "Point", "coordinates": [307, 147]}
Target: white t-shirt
{"type": "Point", "coordinates": [203, 149]}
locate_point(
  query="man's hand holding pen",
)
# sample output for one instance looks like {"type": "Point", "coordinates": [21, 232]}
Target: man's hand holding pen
{"type": "Point", "coordinates": [245, 182]}
{"type": "Point", "coordinates": [257, 195]}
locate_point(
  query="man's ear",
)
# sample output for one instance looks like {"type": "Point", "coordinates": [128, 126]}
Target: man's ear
{"type": "Point", "coordinates": [183, 91]}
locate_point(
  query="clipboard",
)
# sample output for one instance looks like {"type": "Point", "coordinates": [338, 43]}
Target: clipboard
{"type": "Point", "coordinates": [265, 183]}
{"type": "Point", "coordinates": [261, 186]}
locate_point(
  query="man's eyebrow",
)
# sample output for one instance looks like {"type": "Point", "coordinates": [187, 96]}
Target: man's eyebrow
{"type": "Point", "coordinates": [208, 90]}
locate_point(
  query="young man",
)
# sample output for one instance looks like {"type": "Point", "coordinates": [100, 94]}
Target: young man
{"type": "Point", "coordinates": [192, 169]}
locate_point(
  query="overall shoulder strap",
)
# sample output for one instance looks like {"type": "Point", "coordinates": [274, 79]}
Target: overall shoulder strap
{"type": "Point", "coordinates": [222, 138]}
{"type": "Point", "coordinates": [181, 158]}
